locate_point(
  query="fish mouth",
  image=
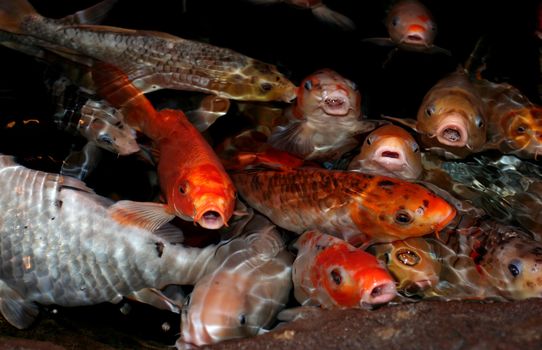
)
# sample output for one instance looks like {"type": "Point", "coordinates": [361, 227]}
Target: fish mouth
{"type": "Point", "coordinates": [210, 218]}
{"type": "Point", "coordinates": [336, 104]}
{"type": "Point", "coordinates": [417, 39]}
{"type": "Point", "coordinates": [453, 131]}
{"type": "Point", "coordinates": [379, 294]}
{"type": "Point", "coordinates": [391, 158]}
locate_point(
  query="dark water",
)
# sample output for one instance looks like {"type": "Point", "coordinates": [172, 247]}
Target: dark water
{"type": "Point", "coordinates": [288, 37]}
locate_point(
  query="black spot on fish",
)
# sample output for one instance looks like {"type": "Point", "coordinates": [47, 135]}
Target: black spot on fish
{"type": "Point", "coordinates": [25, 226]}
{"type": "Point", "coordinates": [58, 204]}
{"type": "Point", "coordinates": [425, 203]}
{"type": "Point", "coordinates": [53, 218]}
{"type": "Point", "coordinates": [386, 183]}
{"type": "Point", "coordinates": [159, 248]}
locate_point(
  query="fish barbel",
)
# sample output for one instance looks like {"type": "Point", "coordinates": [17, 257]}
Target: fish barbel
{"type": "Point", "coordinates": [243, 294]}
{"type": "Point", "coordinates": [389, 150]}
{"type": "Point", "coordinates": [60, 245]}
{"type": "Point", "coordinates": [354, 205]}
{"type": "Point", "coordinates": [151, 60]}
{"type": "Point", "coordinates": [331, 273]}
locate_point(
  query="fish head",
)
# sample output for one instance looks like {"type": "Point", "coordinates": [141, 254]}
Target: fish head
{"type": "Point", "coordinates": [412, 262]}
{"type": "Point", "coordinates": [523, 131]}
{"type": "Point", "coordinates": [392, 149]}
{"type": "Point", "coordinates": [259, 81]}
{"type": "Point", "coordinates": [410, 23]}
{"type": "Point", "coordinates": [401, 209]}
{"type": "Point", "coordinates": [514, 266]}
{"type": "Point", "coordinates": [453, 119]}
{"type": "Point", "coordinates": [326, 94]}
{"type": "Point", "coordinates": [351, 277]}
{"type": "Point", "coordinates": [205, 196]}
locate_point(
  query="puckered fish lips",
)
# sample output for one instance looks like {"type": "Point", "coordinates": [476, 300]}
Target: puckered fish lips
{"type": "Point", "coordinates": [335, 103]}
{"type": "Point", "coordinates": [452, 130]}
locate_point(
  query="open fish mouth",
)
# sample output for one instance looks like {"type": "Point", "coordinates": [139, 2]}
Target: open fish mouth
{"type": "Point", "coordinates": [453, 132]}
{"type": "Point", "coordinates": [210, 218]}
{"type": "Point", "coordinates": [414, 39]}
{"type": "Point", "coordinates": [336, 104]}
{"type": "Point", "coordinates": [380, 294]}
{"type": "Point", "coordinates": [391, 158]}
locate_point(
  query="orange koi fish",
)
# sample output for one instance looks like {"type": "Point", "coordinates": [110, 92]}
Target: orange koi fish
{"type": "Point", "coordinates": [192, 179]}
{"type": "Point", "coordinates": [325, 119]}
{"type": "Point", "coordinates": [452, 117]}
{"type": "Point", "coordinates": [151, 60]}
{"type": "Point", "coordinates": [391, 151]}
{"type": "Point", "coordinates": [357, 206]}
{"type": "Point", "coordinates": [514, 122]}
{"type": "Point", "coordinates": [411, 27]}
{"type": "Point", "coordinates": [331, 273]}
{"type": "Point", "coordinates": [320, 11]}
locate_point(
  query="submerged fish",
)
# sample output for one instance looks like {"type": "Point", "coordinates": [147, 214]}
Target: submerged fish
{"type": "Point", "coordinates": [331, 273]}
{"type": "Point", "coordinates": [320, 11]}
{"type": "Point", "coordinates": [59, 244]}
{"type": "Point", "coordinates": [192, 179]}
{"type": "Point", "coordinates": [325, 119]}
{"type": "Point", "coordinates": [452, 117]}
{"type": "Point", "coordinates": [514, 122]}
{"type": "Point", "coordinates": [389, 150]}
{"type": "Point", "coordinates": [411, 27]}
{"type": "Point", "coordinates": [151, 60]}
{"type": "Point", "coordinates": [412, 262]}
{"type": "Point", "coordinates": [356, 206]}
{"type": "Point", "coordinates": [241, 296]}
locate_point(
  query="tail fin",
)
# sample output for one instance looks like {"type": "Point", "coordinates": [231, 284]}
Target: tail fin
{"type": "Point", "coordinates": [329, 16]}
{"type": "Point", "coordinates": [92, 15]}
{"type": "Point", "coordinates": [12, 13]}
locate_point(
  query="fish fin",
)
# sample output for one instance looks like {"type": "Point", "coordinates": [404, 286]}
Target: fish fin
{"type": "Point", "coordinates": [299, 312]}
{"type": "Point", "coordinates": [156, 298]}
{"type": "Point", "coordinates": [147, 215]}
{"type": "Point", "coordinates": [114, 85]}
{"type": "Point", "coordinates": [79, 164]}
{"type": "Point", "coordinates": [436, 50]}
{"type": "Point", "coordinates": [211, 108]}
{"type": "Point", "coordinates": [292, 138]}
{"type": "Point", "coordinates": [91, 15]}
{"type": "Point", "coordinates": [387, 42]}
{"type": "Point", "coordinates": [74, 184]}
{"type": "Point", "coordinates": [12, 13]}
{"type": "Point", "coordinates": [408, 122]}
{"type": "Point", "coordinates": [170, 233]}
{"type": "Point", "coordinates": [15, 309]}
{"type": "Point", "coordinates": [329, 16]}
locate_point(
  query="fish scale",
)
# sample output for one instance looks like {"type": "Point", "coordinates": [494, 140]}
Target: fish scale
{"type": "Point", "coordinates": [59, 245]}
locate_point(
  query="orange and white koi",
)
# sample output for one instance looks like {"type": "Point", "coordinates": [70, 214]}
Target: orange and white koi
{"type": "Point", "coordinates": [389, 150]}
{"type": "Point", "coordinates": [331, 273]}
{"type": "Point", "coordinates": [356, 206]}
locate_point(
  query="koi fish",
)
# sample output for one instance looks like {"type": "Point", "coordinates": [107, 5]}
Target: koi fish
{"type": "Point", "coordinates": [354, 205]}
{"type": "Point", "coordinates": [412, 262]}
{"type": "Point", "coordinates": [60, 244]}
{"type": "Point", "coordinates": [325, 119]}
{"type": "Point", "coordinates": [411, 27]}
{"type": "Point", "coordinates": [451, 118]}
{"type": "Point", "coordinates": [192, 179]}
{"type": "Point", "coordinates": [331, 273]}
{"type": "Point", "coordinates": [175, 63]}
{"type": "Point", "coordinates": [389, 150]}
{"type": "Point", "coordinates": [319, 10]}
{"type": "Point", "coordinates": [514, 122]}
{"type": "Point", "coordinates": [242, 296]}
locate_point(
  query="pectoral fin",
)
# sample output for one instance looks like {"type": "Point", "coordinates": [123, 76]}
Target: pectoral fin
{"type": "Point", "coordinates": [17, 311]}
{"type": "Point", "coordinates": [147, 215]}
{"type": "Point", "coordinates": [154, 297]}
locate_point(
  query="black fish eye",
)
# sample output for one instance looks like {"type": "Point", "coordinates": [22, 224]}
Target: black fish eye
{"type": "Point", "coordinates": [407, 257]}
{"type": "Point", "coordinates": [266, 86]}
{"type": "Point", "coordinates": [242, 319]}
{"type": "Point", "coordinates": [521, 129]}
{"type": "Point", "coordinates": [308, 85]}
{"type": "Point", "coordinates": [429, 111]}
{"type": "Point", "coordinates": [369, 141]}
{"type": "Point", "coordinates": [514, 267]}
{"type": "Point", "coordinates": [415, 147]}
{"type": "Point", "coordinates": [403, 218]}
{"type": "Point", "coordinates": [395, 21]}
{"type": "Point", "coordinates": [108, 140]}
{"type": "Point", "coordinates": [336, 276]}
{"type": "Point", "coordinates": [183, 188]}
{"type": "Point", "coordinates": [479, 121]}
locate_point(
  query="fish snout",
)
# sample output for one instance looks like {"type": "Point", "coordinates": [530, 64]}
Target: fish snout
{"type": "Point", "coordinates": [210, 218]}
{"type": "Point", "coordinates": [379, 289]}
{"type": "Point", "coordinates": [336, 103]}
{"type": "Point", "coordinates": [453, 131]}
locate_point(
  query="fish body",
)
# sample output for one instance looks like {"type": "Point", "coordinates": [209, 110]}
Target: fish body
{"type": "Point", "coordinates": [353, 205]}
{"type": "Point", "coordinates": [331, 273]}
{"type": "Point", "coordinates": [389, 150]}
{"type": "Point", "coordinates": [411, 26]}
{"type": "Point", "coordinates": [412, 262]}
{"type": "Point", "coordinates": [514, 122]}
{"type": "Point", "coordinates": [60, 245]}
{"type": "Point", "coordinates": [152, 60]}
{"type": "Point", "coordinates": [243, 294]}
{"type": "Point", "coordinates": [324, 120]}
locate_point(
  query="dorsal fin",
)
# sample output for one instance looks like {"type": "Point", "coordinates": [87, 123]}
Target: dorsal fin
{"type": "Point", "coordinates": [91, 15]}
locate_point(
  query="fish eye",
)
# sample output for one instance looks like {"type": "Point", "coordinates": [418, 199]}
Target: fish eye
{"type": "Point", "coordinates": [479, 121]}
{"type": "Point", "coordinates": [430, 110]}
{"type": "Point", "coordinates": [395, 21]}
{"type": "Point", "coordinates": [183, 188]}
{"type": "Point", "coordinates": [353, 85]}
{"type": "Point", "coordinates": [266, 86]}
{"type": "Point", "coordinates": [308, 85]}
{"type": "Point", "coordinates": [387, 257]}
{"type": "Point", "coordinates": [514, 267]}
{"type": "Point", "coordinates": [415, 147]}
{"type": "Point", "coordinates": [403, 218]}
{"type": "Point", "coordinates": [106, 139]}
{"type": "Point", "coordinates": [369, 140]}
{"type": "Point", "coordinates": [521, 129]}
{"type": "Point", "coordinates": [336, 276]}
{"type": "Point", "coordinates": [242, 319]}
{"type": "Point", "coordinates": [407, 257]}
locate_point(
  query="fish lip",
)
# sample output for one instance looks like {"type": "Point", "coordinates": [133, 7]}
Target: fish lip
{"type": "Point", "coordinates": [380, 294]}
{"type": "Point", "coordinates": [415, 38]}
{"type": "Point", "coordinates": [391, 158]}
{"type": "Point", "coordinates": [210, 217]}
{"type": "Point", "coordinates": [457, 126]}
{"type": "Point", "coordinates": [451, 215]}
{"type": "Point", "coordinates": [335, 103]}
